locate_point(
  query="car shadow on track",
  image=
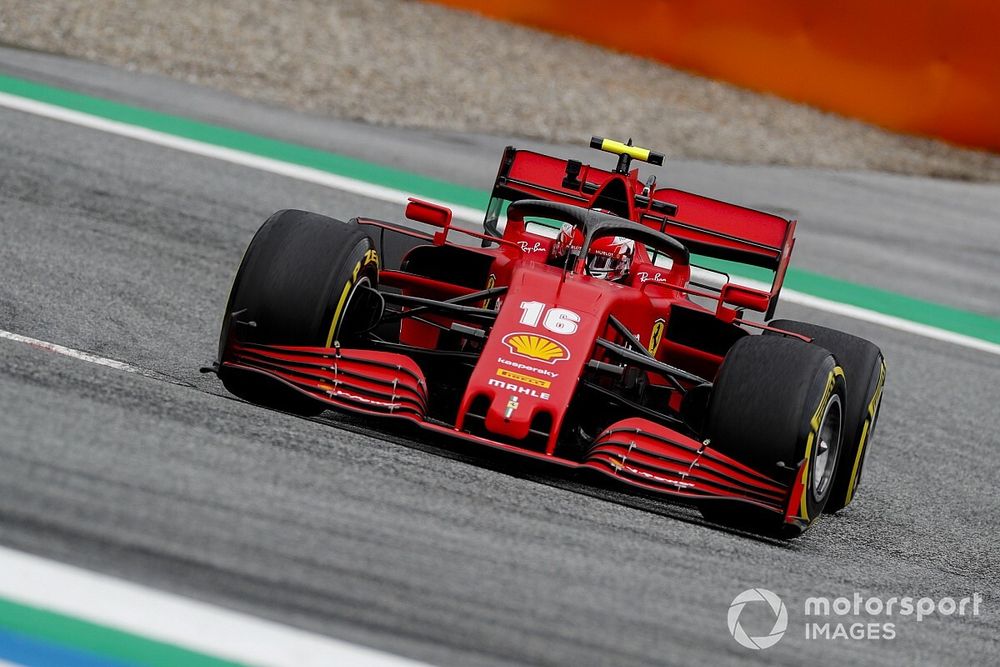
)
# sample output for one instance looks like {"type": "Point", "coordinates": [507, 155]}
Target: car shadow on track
{"type": "Point", "coordinates": [583, 482]}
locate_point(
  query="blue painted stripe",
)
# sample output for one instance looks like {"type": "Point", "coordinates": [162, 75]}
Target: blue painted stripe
{"type": "Point", "coordinates": [32, 652]}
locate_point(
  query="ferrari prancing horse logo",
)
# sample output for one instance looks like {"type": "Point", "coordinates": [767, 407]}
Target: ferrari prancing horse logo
{"type": "Point", "coordinates": [656, 336]}
{"type": "Point", "coordinates": [534, 346]}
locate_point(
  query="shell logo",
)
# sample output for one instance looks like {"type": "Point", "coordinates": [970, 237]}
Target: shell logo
{"type": "Point", "coordinates": [533, 346]}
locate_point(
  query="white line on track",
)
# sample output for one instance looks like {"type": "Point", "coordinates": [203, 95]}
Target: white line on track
{"type": "Point", "coordinates": [199, 626]}
{"type": "Point", "coordinates": [70, 352]}
{"type": "Point", "coordinates": [465, 213]}
{"type": "Point", "coordinates": [875, 317]}
{"type": "Point", "coordinates": [244, 159]}
{"type": "Point", "coordinates": [889, 321]}
{"type": "Point", "coordinates": [172, 619]}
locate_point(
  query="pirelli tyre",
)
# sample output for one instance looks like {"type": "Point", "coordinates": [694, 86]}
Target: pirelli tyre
{"type": "Point", "coordinates": [864, 369]}
{"type": "Point", "coordinates": [299, 284]}
{"type": "Point", "coordinates": [777, 403]}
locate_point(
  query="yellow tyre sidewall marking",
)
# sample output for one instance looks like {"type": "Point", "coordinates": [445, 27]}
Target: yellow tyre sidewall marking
{"type": "Point", "coordinates": [813, 433]}
{"type": "Point", "coordinates": [865, 434]}
{"type": "Point", "coordinates": [370, 257]}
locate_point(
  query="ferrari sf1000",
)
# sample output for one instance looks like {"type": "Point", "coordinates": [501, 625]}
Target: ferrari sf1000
{"type": "Point", "coordinates": [587, 325]}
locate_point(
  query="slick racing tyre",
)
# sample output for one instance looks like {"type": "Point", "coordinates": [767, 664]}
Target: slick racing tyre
{"type": "Point", "coordinates": [864, 369]}
{"type": "Point", "coordinates": [298, 284]}
{"type": "Point", "coordinates": [777, 402]}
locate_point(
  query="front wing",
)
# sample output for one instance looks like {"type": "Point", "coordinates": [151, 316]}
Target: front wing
{"type": "Point", "coordinates": [635, 451]}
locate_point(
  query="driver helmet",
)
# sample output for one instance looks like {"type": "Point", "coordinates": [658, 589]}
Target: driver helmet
{"type": "Point", "coordinates": [610, 257]}
{"type": "Point", "coordinates": [569, 239]}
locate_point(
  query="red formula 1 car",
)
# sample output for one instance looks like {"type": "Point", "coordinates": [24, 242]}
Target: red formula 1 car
{"type": "Point", "coordinates": [582, 328]}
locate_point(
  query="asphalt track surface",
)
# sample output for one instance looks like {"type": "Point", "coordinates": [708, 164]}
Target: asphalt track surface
{"type": "Point", "coordinates": [383, 538]}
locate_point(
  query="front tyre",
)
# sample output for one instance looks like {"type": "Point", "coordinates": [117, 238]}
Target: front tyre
{"type": "Point", "coordinates": [300, 283]}
{"type": "Point", "coordinates": [775, 403]}
{"type": "Point", "coordinates": [864, 369]}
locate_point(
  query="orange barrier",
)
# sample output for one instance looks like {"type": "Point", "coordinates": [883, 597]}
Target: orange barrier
{"type": "Point", "coordinates": [925, 66]}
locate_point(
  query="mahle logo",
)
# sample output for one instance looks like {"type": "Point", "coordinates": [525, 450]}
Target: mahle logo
{"type": "Point", "coordinates": [757, 595]}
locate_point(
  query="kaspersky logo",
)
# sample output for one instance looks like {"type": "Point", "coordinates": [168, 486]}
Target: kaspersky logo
{"type": "Point", "coordinates": [534, 346]}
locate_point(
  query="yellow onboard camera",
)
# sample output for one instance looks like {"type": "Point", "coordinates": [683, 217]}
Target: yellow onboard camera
{"type": "Point", "coordinates": [626, 152]}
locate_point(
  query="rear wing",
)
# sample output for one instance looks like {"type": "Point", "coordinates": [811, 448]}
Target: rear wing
{"type": "Point", "coordinates": [726, 231]}
{"type": "Point", "coordinates": [717, 229]}
{"type": "Point", "coordinates": [709, 227]}
{"type": "Point", "coordinates": [530, 175]}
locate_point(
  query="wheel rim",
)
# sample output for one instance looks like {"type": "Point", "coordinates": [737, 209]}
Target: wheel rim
{"type": "Point", "coordinates": [827, 446]}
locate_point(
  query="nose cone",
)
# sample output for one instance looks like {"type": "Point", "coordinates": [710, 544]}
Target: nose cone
{"type": "Point", "coordinates": [531, 362]}
{"type": "Point", "coordinates": [516, 404]}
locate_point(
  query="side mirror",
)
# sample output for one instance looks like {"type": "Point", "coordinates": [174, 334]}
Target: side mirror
{"type": "Point", "coordinates": [431, 214]}
{"type": "Point", "coordinates": [745, 297]}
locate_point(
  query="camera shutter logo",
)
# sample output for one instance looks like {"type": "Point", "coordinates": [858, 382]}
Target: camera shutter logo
{"type": "Point", "coordinates": [780, 618]}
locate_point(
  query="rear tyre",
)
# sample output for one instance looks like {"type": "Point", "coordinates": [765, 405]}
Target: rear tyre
{"type": "Point", "coordinates": [298, 284]}
{"type": "Point", "coordinates": [864, 369]}
{"type": "Point", "coordinates": [775, 403]}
